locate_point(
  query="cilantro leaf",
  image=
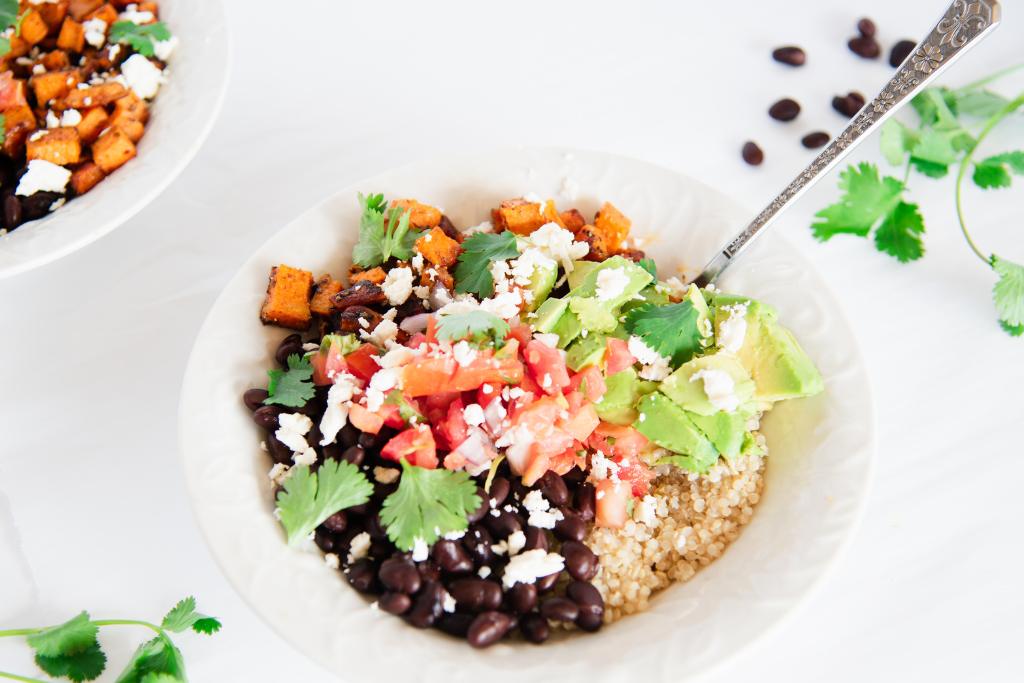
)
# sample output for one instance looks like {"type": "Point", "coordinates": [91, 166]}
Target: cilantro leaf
{"type": "Point", "coordinates": [476, 325]}
{"type": "Point", "coordinates": [933, 153]}
{"type": "Point", "coordinates": [74, 635]}
{"type": "Point", "coordinates": [184, 616]}
{"type": "Point", "coordinates": [867, 198]}
{"type": "Point", "coordinates": [670, 330]}
{"type": "Point", "coordinates": [84, 665]}
{"type": "Point", "coordinates": [309, 498]}
{"type": "Point", "coordinates": [141, 37]}
{"type": "Point", "coordinates": [380, 236]}
{"type": "Point", "coordinates": [8, 13]}
{"type": "Point", "coordinates": [994, 171]}
{"type": "Point", "coordinates": [1012, 330]}
{"type": "Point", "coordinates": [899, 235]}
{"type": "Point", "coordinates": [291, 387]}
{"type": "Point", "coordinates": [895, 141]}
{"type": "Point", "coordinates": [427, 505]}
{"type": "Point", "coordinates": [155, 660]}
{"type": "Point", "coordinates": [207, 625]}
{"type": "Point", "coordinates": [1008, 294]}
{"type": "Point", "coordinates": [649, 265]}
{"type": "Point", "coordinates": [980, 103]}
{"type": "Point", "coordinates": [473, 274]}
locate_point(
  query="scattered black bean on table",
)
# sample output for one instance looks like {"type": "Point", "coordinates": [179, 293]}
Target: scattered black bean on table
{"type": "Point", "coordinates": [849, 104]}
{"type": "Point", "coordinates": [900, 51]}
{"type": "Point", "coordinates": [866, 28]}
{"type": "Point", "coordinates": [753, 155]}
{"type": "Point", "coordinates": [815, 140]}
{"type": "Point", "coordinates": [790, 54]}
{"type": "Point", "coordinates": [785, 109]}
{"type": "Point", "coordinates": [865, 47]}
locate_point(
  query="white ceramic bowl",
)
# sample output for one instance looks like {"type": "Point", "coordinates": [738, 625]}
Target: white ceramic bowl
{"type": "Point", "coordinates": [183, 114]}
{"type": "Point", "coordinates": [817, 477]}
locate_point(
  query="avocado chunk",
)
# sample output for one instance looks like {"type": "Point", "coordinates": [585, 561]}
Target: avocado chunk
{"type": "Point", "coordinates": [579, 271]}
{"type": "Point", "coordinates": [668, 425]}
{"type": "Point", "coordinates": [688, 392]}
{"type": "Point", "coordinates": [618, 405]}
{"type": "Point", "coordinates": [726, 431]}
{"type": "Point", "coordinates": [599, 314]}
{"type": "Point", "coordinates": [650, 295]}
{"type": "Point", "coordinates": [541, 283]}
{"type": "Point", "coordinates": [548, 313]}
{"type": "Point", "coordinates": [586, 351]}
{"type": "Point", "coordinates": [567, 328]}
{"type": "Point", "coordinates": [780, 368]}
{"type": "Point", "coordinates": [694, 296]}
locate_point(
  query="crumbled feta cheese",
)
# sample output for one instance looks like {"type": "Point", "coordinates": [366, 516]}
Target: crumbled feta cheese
{"type": "Point", "coordinates": [397, 356]}
{"type": "Point", "coordinates": [385, 332]}
{"type": "Point", "coordinates": [51, 120]}
{"type": "Point", "coordinates": [95, 32]}
{"type": "Point", "coordinates": [504, 305]}
{"type": "Point", "coordinates": [483, 572]}
{"type": "Point", "coordinates": [38, 69]}
{"type": "Point", "coordinates": [419, 550]}
{"type": "Point", "coordinates": [358, 547]}
{"type": "Point", "coordinates": [656, 367]}
{"type": "Point", "coordinates": [58, 203]}
{"type": "Point", "coordinates": [531, 565]}
{"type": "Point", "coordinates": [292, 431]}
{"type": "Point", "coordinates": [549, 339]}
{"type": "Point", "coordinates": [454, 535]}
{"type": "Point", "coordinates": [448, 602]}
{"type": "Point", "coordinates": [676, 287]}
{"type": "Point", "coordinates": [733, 329]}
{"type": "Point", "coordinates": [601, 467]}
{"type": "Point", "coordinates": [515, 542]}
{"type": "Point", "coordinates": [541, 514]}
{"type": "Point", "coordinates": [473, 414]}
{"type": "Point", "coordinates": [416, 261]}
{"type": "Point", "coordinates": [43, 176]}
{"type": "Point", "coordinates": [530, 260]}
{"type": "Point", "coordinates": [397, 285]}
{"type": "Point", "coordinates": [720, 389]}
{"type": "Point", "coordinates": [611, 283]}
{"type": "Point", "coordinates": [339, 398]}
{"type": "Point", "coordinates": [143, 77]}
{"type": "Point", "coordinates": [70, 118]}
{"type": "Point", "coordinates": [463, 353]}
{"type": "Point", "coordinates": [132, 14]}
{"type": "Point", "coordinates": [332, 560]}
{"type": "Point", "coordinates": [163, 49]}
{"type": "Point", "coordinates": [556, 243]}
{"type": "Point", "coordinates": [279, 473]}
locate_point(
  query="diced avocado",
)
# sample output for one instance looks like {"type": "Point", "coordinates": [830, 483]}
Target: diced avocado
{"type": "Point", "coordinates": [780, 368]}
{"type": "Point", "coordinates": [668, 425]}
{"type": "Point", "coordinates": [541, 283]}
{"type": "Point", "coordinates": [601, 315]}
{"type": "Point", "coordinates": [595, 315]}
{"type": "Point", "coordinates": [567, 328]}
{"type": "Point", "coordinates": [618, 405]}
{"type": "Point", "coordinates": [651, 295]}
{"type": "Point", "coordinates": [586, 351]}
{"type": "Point", "coordinates": [343, 343]}
{"type": "Point", "coordinates": [694, 296]}
{"type": "Point", "coordinates": [579, 271]}
{"type": "Point", "coordinates": [725, 430]}
{"type": "Point", "coordinates": [548, 314]}
{"type": "Point", "coordinates": [690, 394]}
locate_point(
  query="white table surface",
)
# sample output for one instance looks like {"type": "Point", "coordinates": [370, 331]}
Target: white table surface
{"type": "Point", "coordinates": [93, 510]}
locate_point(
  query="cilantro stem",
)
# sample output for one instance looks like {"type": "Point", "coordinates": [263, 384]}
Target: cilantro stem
{"type": "Point", "coordinates": [130, 622]}
{"type": "Point", "coordinates": [19, 632]}
{"type": "Point", "coordinates": [16, 677]}
{"type": "Point", "coordinates": [993, 77]}
{"type": "Point", "coordinates": [992, 122]}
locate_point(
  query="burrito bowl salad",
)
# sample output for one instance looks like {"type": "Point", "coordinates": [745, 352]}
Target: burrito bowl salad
{"type": "Point", "coordinates": [515, 426]}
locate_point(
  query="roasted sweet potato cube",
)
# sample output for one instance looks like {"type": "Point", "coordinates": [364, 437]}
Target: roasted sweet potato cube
{"type": "Point", "coordinates": [287, 302]}
{"type": "Point", "coordinates": [420, 215]}
{"type": "Point", "coordinates": [112, 150]}
{"type": "Point", "coordinates": [519, 216]}
{"type": "Point", "coordinates": [19, 122]}
{"type": "Point", "coordinates": [53, 13]}
{"type": "Point", "coordinates": [92, 124]}
{"type": "Point", "coordinates": [79, 9]}
{"type": "Point", "coordinates": [54, 85]}
{"type": "Point", "coordinates": [19, 47]}
{"type": "Point", "coordinates": [438, 248]}
{"type": "Point", "coordinates": [133, 106]}
{"type": "Point", "coordinates": [33, 28]}
{"type": "Point", "coordinates": [85, 177]}
{"type": "Point", "coordinates": [323, 293]}
{"type": "Point", "coordinates": [374, 275]}
{"type": "Point", "coordinates": [551, 214]}
{"type": "Point", "coordinates": [149, 7]}
{"type": "Point", "coordinates": [72, 36]}
{"type": "Point", "coordinates": [613, 224]}
{"type": "Point", "coordinates": [94, 96]}
{"type": "Point", "coordinates": [20, 114]}
{"type": "Point", "coordinates": [132, 128]}
{"type": "Point", "coordinates": [56, 60]}
{"type": "Point", "coordinates": [105, 12]}
{"type": "Point", "coordinates": [60, 146]}
{"type": "Point", "coordinates": [573, 220]}
{"type": "Point", "coordinates": [437, 275]}
{"type": "Point", "coordinates": [597, 239]}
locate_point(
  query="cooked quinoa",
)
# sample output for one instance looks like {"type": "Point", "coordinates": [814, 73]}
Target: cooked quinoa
{"type": "Point", "coordinates": [683, 525]}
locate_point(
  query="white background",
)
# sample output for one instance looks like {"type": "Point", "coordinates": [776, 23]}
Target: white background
{"type": "Point", "coordinates": [93, 510]}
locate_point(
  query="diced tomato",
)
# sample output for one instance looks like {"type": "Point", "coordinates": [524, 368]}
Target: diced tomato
{"type": "Point", "coordinates": [487, 392]}
{"type": "Point", "coordinates": [538, 437]}
{"type": "Point", "coordinates": [521, 333]}
{"type": "Point", "coordinates": [575, 401]}
{"type": "Point", "coordinates": [426, 376]}
{"type": "Point", "coordinates": [621, 441]}
{"type": "Point", "coordinates": [361, 362]}
{"type": "Point", "coordinates": [617, 358]}
{"type": "Point", "coordinates": [363, 420]}
{"type": "Point", "coordinates": [567, 459]}
{"type": "Point", "coordinates": [590, 382]}
{"type": "Point", "coordinates": [486, 369]}
{"type": "Point", "coordinates": [581, 423]}
{"type": "Point", "coordinates": [327, 361]}
{"type": "Point", "coordinates": [431, 332]}
{"type": "Point", "coordinates": [415, 340]}
{"type": "Point", "coordinates": [611, 501]}
{"type": "Point", "coordinates": [528, 385]}
{"type": "Point", "coordinates": [392, 415]}
{"type": "Point", "coordinates": [475, 452]}
{"type": "Point", "coordinates": [637, 474]}
{"type": "Point", "coordinates": [454, 428]}
{"type": "Point", "coordinates": [415, 444]}
{"type": "Point", "coordinates": [12, 91]}
{"type": "Point", "coordinates": [547, 366]}
{"type": "Point", "coordinates": [537, 464]}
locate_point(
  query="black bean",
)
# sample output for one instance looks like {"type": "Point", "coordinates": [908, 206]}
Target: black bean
{"type": "Point", "coordinates": [504, 525]}
{"type": "Point", "coordinates": [790, 54]}
{"type": "Point", "coordinates": [292, 344]}
{"type": "Point", "coordinates": [395, 603]}
{"type": "Point", "coordinates": [580, 561]}
{"type": "Point", "coordinates": [428, 606]}
{"type": "Point", "coordinates": [475, 595]}
{"type": "Point", "coordinates": [362, 576]}
{"type": "Point", "coordinates": [535, 538]}
{"type": "Point", "coordinates": [554, 489]}
{"type": "Point", "coordinates": [266, 417]}
{"type": "Point", "coordinates": [499, 491]}
{"type": "Point", "coordinates": [570, 527]}
{"type": "Point", "coordinates": [546, 583]}
{"type": "Point", "coordinates": [253, 398]}
{"type": "Point", "coordinates": [589, 621]}
{"type": "Point", "coordinates": [478, 542]}
{"type": "Point", "coordinates": [488, 628]}
{"type": "Point", "coordinates": [481, 510]}
{"type": "Point", "coordinates": [535, 628]}
{"type": "Point", "coordinates": [278, 451]}
{"type": "Point", "coordinates": [429, 571]}
{"type": "Point", "coordinates": [12, 212]}
{"type": "Point", "coordinates": [337, 522]}
{"type": "Point", "coordinates": [38, 204]}
{"type": "Point", "coordinates": [900, 51]}
{"type": "Point", "coordinates": [451, 557]}
{"type": "Point", "coordinates": [815, 139]}
{"type": "Point", "coordinates": [559, 609]}
{"type": "Point", "coordinates": [324, 540]}
{"type": "Point", "coordinates": [849, 104]}
{"type": "Point", "coordinates": [574, 476]}
{"type": "Point", "coordinates": [380, 548]}
{"type": "Point", "coordinates": [400, 575]}
{"type": "Point", "coordinates": [866, 28]}
{"type": "Point", "coordinates": [360, 509]}
{"type": "Point", "coordinates": [375, 527]}
{"type": "Point", "coordinates": [751, 153]}
{"type": "Point", "coordinates": [332, 451]}
{"type": "Point", "coordinates": [455, 624]}
{"type": "Point", "coordinates": [367, 440]}
{"type": "Point", "coordinates": [785, 109]}
{"type": "Point", "coordinates": [522, 597]}
{"type": "Point", "coordinates": [348, 435]}
{"type": "Point", "coordinates": [354, 455]}
{"type": "Point", "coordinates": [586, 501]}
{"type": "Point", "coordinates": [590, 602]}
{"type": "Point", "coordinates": [865, 47]}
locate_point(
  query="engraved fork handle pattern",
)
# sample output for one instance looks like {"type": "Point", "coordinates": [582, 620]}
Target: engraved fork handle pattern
{"type": "Point", "coordinates": [963, 25]}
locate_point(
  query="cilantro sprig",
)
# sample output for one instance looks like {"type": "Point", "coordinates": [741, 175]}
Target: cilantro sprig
{"type": "Point", "coordinates": [671, 330]}
{"type": "Point", "coordinates": [476, 325]}
{"type": "Point", "coordinates": [292, 387]}
{"type": "Point", "coordinates": [8, 17]}
{"type": "Point", "coordinates": [427, 505]}
{"type": "Point", "coordinates": [473, 273]}
{"type": "Point", "coordinates": [383, 233]}
{"type": "Point", "coordinates": [310, 497]}
{"type": "Point", "coordinates": [947, 136]}
{"type": "Point", "coordinates": [72, 650]}
{"type": "Point", "coordinates": [141, 37]}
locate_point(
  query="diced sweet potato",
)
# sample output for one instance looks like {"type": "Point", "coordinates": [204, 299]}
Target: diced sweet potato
{"type": "Point", "coordinates": [33, 27]}
{"type": "Point", "coordinates": [149, 7]}
{"type": "Point", "coordinates": [133, 106]}
{"type": "Point", "coordinates": [132, 128]}
{"type": "Point", "coordinates": [420, 215]}
{"type": "Point", "coordinates": [19, 47]}
{"type": "Point", "coordinates": [94, 96]}
{"type": "Point", "coordinates": [54, 85]}
{"type": "Point", "coordinates": [60, 146]}
{"type": "Point", "coordinates": [518, 215]}
{"type": "Point", "coordinates": [437, 274]}
{"type": "Point", "coordinates": [106, 12]}
{"type": "Point", "coordinates": [287, 302]}
{"type": "Point", "coordinates": [597, 239]}
{"type": "Point", "coordinates": [19, 122]}
{"type": "Point", "coordinates": [573, 220]}
{"type": "Point", "coordinates": [112, 150]}
{"type": "Point", "coordinates": [56, 60]}
{"type": "Point", "coordinates": [551, 214]}
{"type": "Point", "coordinates": [438, 248]}
{"type": "Point", "coordinates": [613, 225]}
{"type": "Point", "coordinates": [53, 13]}
{"type": "Point", "coordinates": [79, 9]}
{"type": "Point", "coordinates": [85, 177]}
{"type": "Point", "coordinates": [72, 36]}
{"type": "Point", "coordinates": [323, 292]}
{"type": "Point", "coordinates": [374, 275]}
{"type": "Point", "coordinates": [92, 124]}
{"type": "Point", "coordinates": [20, 114]}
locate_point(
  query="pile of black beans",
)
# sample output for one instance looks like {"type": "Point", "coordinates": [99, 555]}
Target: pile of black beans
{"type": "Point", "coordinates": [16, 208]}
{"type": "Point", "coordinates": [468, 569]}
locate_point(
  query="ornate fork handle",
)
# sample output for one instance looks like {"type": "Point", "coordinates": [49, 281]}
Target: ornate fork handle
{"type": "Point", "coordinates": [963, 25]}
